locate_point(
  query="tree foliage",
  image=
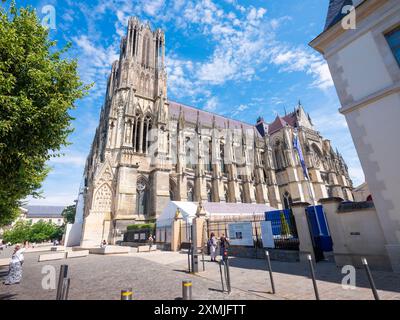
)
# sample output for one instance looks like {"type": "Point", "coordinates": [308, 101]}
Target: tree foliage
{"type": "Point", "coordinates": [285, 229]}
{"type": "Point", "coordinates": [38, 232]}
{"type": "Point", "coordinates": [69, 214]}
{"type": "Point", "coordinates": [38, 88]}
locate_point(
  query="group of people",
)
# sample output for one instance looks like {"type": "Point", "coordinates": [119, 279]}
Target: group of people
{"type": "Point", "coordinates": [214, 243]}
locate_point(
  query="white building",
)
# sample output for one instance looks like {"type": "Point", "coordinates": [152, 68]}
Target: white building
{"type": "Point", "coordinates": [365, 67]}
{"type": "Point", "coordinates": [52, 214]}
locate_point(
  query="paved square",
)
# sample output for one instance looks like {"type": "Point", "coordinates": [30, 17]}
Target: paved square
{"type": "Point", "coordinates": [159, 275]}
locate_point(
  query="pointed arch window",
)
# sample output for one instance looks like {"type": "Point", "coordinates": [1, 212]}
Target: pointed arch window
{"type": "Point", "coordinates": [209, 166]}
{"type": "Point", "coordinates": [226, 194]}
{"type": "Point", "coordinates": [222, 156]}
{"type": "Point", "coordinates": [146, 130]}
{"type": "Point", "coordinates": [209, 194]}
{"type": "Point", "coordinates": [141, 197]}
{"type": "Point", "coordinates": [190, 192]}
{"type": "Point", "coordinates": [138, 133]}
{"type": "Point", "coordinates": [287, 200]}
{"type": "Point", "coordinates": [242, 199]}
{"type": "Point", "coordinates": [279, 155]}
{"type": "Point", "coordinates": [189, 153]}
{"type": "Point", "coordinates": [145, 51]}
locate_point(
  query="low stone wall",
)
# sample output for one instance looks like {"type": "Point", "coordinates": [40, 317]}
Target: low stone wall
{"type": "Point", "coordinates": [259, 253]}
{"type": "Point", "coordinates": [356, 233]}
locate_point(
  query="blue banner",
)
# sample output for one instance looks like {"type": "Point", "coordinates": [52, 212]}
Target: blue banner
{"type": "Point", "coordinates": [297, 147]}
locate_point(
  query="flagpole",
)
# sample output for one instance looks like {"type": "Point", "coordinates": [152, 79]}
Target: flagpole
{"type": "Point", "coordinates": [297, 146]}
{"type": "Point", "coordinates": [314, 204]}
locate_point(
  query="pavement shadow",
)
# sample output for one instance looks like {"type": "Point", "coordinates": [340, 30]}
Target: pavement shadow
{"type": "Point", "coordinates": [324, 271]}
{"type": "Point", "coordinates": [7, 296]}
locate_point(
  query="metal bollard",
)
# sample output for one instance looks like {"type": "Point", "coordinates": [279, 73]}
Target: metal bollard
{"type": "Point", "coordinates": [189, 260]}
{"type": "Point", "coordinates": [202, 256]}
{"type": "Point", "coordinates": [126, 294]}
{"type": "Point", "coordinates": [313, 277]}
{"type": "Point", "coordinates": [65, 289]}
{"type": "Point", "coordinates": [187, 290]}
{"type": "Point", "coordinates": [370, 279]}
{"type": "Point", "coordinates": [227, 274]}
{"type": "Point", "coordinates": [220, 272]}
{"type": "Point", "coordinates": [63, 275]}
{"type": "Point", "coordinates": [270, 271]}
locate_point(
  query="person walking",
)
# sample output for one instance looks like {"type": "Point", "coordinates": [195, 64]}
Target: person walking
{"type": "Point", "coordinates": [14, 275]}
{"type": "Point", "coordinates": [223, 245]}
{"type": "Point", "coordinates": [150, 240]}
{"type": "Point", "coordinates": [213, 246]}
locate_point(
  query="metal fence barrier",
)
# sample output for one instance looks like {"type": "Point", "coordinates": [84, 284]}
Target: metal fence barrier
{"type": "Point", "coordinates": [225, 274]}
{"type": "Point", "coordinates": [270, 271]}
{"type": "Point", "coordinates": [63, 283]}
{"type": "Point", "coordinates": [370, 279]}
{"type": "Point", "coordinates": [313, 276]}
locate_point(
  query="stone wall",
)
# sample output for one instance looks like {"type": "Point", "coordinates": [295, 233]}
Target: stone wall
{"type": "Point", "coordinates": [356, 232]}
{"type": "Point", "coordinates": [259, 253]}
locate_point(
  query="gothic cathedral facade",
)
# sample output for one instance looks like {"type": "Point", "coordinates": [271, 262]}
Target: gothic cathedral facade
{"type": "Point", "coordinates": [149, 150]}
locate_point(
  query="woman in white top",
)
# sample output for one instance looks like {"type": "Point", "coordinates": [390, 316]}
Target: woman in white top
{"type": "Point", "coordinates": [213, 246]}
{"type": "Point", "coordinates": [15, 271]}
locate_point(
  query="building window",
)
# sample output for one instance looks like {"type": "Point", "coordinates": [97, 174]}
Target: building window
{"type": "Point", "coordinates": [141, 197]}
{"type": "Point", "coordinates": [222, 156]}
{"type": "Point", "coordinates": [393, 39]}
{"type": "Point", "coordinates": [287, 200]}
{"type": "Point", "coordinates": [190, 196]}
{"type": "Point", "coordinates": [209, 194]}
{"type": "Point", "coordinates": [189, 154]}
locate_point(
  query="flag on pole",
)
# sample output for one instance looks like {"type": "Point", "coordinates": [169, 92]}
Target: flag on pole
{"type": "Point", "coordinates": [297, 146]}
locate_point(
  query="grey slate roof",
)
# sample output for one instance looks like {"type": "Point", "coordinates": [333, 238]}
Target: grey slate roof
{"type": "Point", "coordinates": [243, 208]}
{"type": "Point", "coordinates": [335, 12]}
{"type": "Point", "coordinates": [44, 211]}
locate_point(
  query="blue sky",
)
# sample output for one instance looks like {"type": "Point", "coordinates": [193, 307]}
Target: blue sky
{"type": "Point", "coordinates": [241, 59]}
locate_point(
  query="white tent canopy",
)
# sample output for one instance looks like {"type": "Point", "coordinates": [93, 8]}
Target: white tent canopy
{"type": "Point", "coordinates": [213, 209]}
{"type": "Point", "coordinates": [187, 209]}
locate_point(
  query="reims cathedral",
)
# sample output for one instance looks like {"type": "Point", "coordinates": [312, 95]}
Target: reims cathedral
{"type": "Point", "coordinates": [149, 150]}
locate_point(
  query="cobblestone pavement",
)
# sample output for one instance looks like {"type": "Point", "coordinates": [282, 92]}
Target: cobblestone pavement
{"type": "Point", "coordinates": [158, 275]}
{"type": "Point", "coordinates": [103, 277]}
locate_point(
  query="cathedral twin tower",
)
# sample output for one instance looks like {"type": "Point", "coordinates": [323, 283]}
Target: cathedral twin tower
{"type": "Point", "coordinates": [148, 150]}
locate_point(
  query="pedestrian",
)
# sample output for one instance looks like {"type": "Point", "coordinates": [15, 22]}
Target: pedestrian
{"type": "Point", "coordinates": [213, 246]}
{"type": "Point", "coordinates": [103, 244]}
{"type": "Point", "coordinates": [14, 275]}
{"type": "Point", "coordinates": [150, 240]}
{"type": "Point", "coordinates": [223, 245]}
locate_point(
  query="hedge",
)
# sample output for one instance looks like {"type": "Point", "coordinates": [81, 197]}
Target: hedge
{"type": "Point", "coordinates": [151, 225]}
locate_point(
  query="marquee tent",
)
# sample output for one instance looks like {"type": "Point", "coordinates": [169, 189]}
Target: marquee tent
{"type": "Point", "coordinates": [213, 210]}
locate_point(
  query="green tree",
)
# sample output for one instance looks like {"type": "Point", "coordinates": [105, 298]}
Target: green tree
{"type": "Point", "coordinates": [69, 214]}
{"type": "Point", "coordinates": [38, 88]}
{"type": "Point", "coordinates": [38, 232]}
{"type": "Point", "coordinates": [285, 229]}
{"type": "Point", "coordinates": [19, 233]}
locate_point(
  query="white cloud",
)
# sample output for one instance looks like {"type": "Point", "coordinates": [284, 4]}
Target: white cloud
{"type": "Point", "coordinates": [299, 59]}
{"type": "Point", "coordinates": [152, 7]}
{"type": "Point", "coordinates": [55, 199]}
{"type": "Point", "coordinates": [211, 104]}
{"type": "Point", "coordinates": [72, 160]}
{"type": "Point", "coordinates": [95, 63]}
